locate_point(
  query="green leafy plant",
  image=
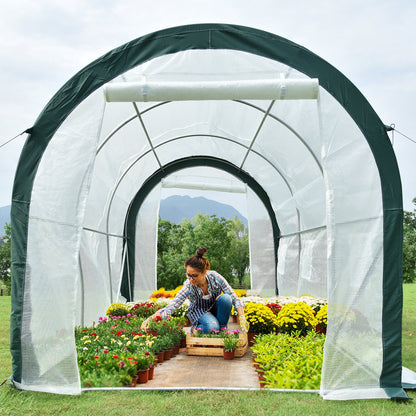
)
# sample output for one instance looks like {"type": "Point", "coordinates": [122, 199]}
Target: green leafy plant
{"type": "Point", "coordinates": [230, 339]}
{"type": "Point", "coordinates": [290, 362]}
{"type": "Point", "coordinates": [5, 257]}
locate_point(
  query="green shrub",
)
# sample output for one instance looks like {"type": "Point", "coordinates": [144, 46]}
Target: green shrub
{"type": "Point", "coordinates": [290, 361]}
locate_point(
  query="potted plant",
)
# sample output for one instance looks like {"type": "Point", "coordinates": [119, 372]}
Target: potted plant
{"type": "Point", "coordinates": [322, 318]}
{"type": "Point", "coordinates": [144, 360]}
{"type": "Point", "coordinates": [144, 309]}
{"type": "Point", "coordinates": [296, 317]}
{"type": "Point", "coordinates": [230, 340]}
{"type": "Point", "coordinates": [261, 319]}
{"type": "Point", "coordinates": [154, 326]}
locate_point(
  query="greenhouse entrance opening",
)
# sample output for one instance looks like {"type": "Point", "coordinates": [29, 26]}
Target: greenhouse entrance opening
{"type": "Point", "coordinates": [224, 187]}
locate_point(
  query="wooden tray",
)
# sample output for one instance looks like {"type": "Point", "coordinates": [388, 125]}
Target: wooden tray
{"type": "Point", "coordinates": [213, 346]}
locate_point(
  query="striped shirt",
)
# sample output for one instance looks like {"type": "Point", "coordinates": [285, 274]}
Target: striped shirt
{"type": "Point", "coordinates": [199, 304]}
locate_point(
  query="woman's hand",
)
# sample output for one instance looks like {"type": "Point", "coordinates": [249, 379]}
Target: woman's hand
{"type": "Point", "coordinates": [243, 322]}
{"type": "Point", "coordinates": [153, 317]}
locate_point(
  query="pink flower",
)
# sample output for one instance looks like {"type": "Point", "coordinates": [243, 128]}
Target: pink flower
{"type": "Point", "coordinates": [88, 383]}
{"type": "Point", "coordinates": [121, 364]}
{"type": "Point", "coordinates": [105, 351]}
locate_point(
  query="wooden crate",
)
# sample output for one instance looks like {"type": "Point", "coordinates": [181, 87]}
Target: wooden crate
{"type": "Point", "coordinates": [213, 346]}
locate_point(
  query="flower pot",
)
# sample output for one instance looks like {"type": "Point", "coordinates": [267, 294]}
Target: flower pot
{"type": "Point", "coordinates": [151, 332]}
{"type": "Point", "coordinates": [143, 376]}
{"type": "Point", "coordinates": [260, 375]}
{"type": "Point", "coordinates": [250, 338]}
{"type": "Point", "coordinates": [176, 349]}
{"type": "Point", "coordinates": [183, 343]}
{"type": "Point", "coordinates": [134, 381]}
{"type": "Point", "coordinates": [168, 354]}
{"type": "Point", "coordinates": [320, 329]}
{"type": "Point", "coordinates": [151, 372]}
{"type": "Point", "coordinates": [160, 357]}
{"type": "Point", "coordinates": [229, 355]}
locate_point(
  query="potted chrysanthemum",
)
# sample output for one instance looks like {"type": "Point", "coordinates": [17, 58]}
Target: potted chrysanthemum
{"type": "Point", "coordinates": [296, 317]}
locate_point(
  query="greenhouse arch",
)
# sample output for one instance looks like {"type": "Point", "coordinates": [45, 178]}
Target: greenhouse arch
{"type": "Point", "coordinates": [127, 283]}
{"type": "Point", "coordinates": [337, 199]}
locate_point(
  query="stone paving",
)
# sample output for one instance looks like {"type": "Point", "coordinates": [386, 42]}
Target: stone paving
{"type": "Point", "coordinates": [192, 371]}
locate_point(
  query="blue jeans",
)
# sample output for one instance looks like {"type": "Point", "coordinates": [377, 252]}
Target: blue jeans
{"type": "Point", "coordinates": [219, 315]}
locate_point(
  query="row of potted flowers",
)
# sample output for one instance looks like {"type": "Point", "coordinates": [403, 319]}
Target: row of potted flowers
{"type": "Point", "coordinates": [282, 313]}
{"type": "Point", "coordinates": [116, 351]}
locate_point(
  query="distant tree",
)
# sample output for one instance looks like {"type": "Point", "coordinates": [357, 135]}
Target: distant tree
{"type": "Point", "coordinates": [176, 242]}
{"type": "Point", "coordinates": [5, 257]}
{"type": "Point", "coordinates": [239, 251]}
{"type": "Point", "coordinates": [214, 234]}
{"type": "Point", "coordinates": [170, 258]}
{"type": "Point", "coordinates": [409, 245]}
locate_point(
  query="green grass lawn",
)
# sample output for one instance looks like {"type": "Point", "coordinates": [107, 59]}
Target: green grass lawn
{"type": "Point", "coordinates": [235, 403]}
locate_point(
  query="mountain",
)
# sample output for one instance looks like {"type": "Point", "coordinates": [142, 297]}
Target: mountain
{"type": "Point", "coordinates": [175, 208]}
{"type": "Point", "coordinates": [4, 217]}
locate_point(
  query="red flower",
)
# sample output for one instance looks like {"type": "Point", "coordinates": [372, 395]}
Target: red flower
{"type": "Point", "coordinates": [115, 356]}
{"type": "Point", "coordinates": [147, 353]}
{"type": "Point", "coordinates": [93, 334]}
{"type": "Point", "coordinates": [119, 333]}
{"type": "Point", "coordinates": [96, 357]}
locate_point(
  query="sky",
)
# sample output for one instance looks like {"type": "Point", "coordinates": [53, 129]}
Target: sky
{"type": "Point", "coordinates": [43, 43]}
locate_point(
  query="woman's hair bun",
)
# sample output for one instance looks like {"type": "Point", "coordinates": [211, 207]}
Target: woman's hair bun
{"type": "Point", "coordinates": [201, 251]}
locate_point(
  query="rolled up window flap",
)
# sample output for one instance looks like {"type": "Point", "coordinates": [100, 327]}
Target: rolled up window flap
{"type": "Point", "coordinates": [264, 89]}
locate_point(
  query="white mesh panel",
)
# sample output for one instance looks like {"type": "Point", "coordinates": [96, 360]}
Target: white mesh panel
{"type": "Point", "coordinates": [353, 349]}
{"type": "Point", "coordinates": [262, 262]}
{"type": "Point", "coordinates": [55, 221]}
{"type": "Point", "coordinates": [145, 276]}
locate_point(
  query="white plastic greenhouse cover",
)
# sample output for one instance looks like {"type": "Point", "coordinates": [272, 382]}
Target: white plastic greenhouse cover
{"type": "Point", "coordinates": [304, 163]}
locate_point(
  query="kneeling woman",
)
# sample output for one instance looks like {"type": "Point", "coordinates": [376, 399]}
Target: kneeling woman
{"type": "Point", "coordinates": [208, 308]}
